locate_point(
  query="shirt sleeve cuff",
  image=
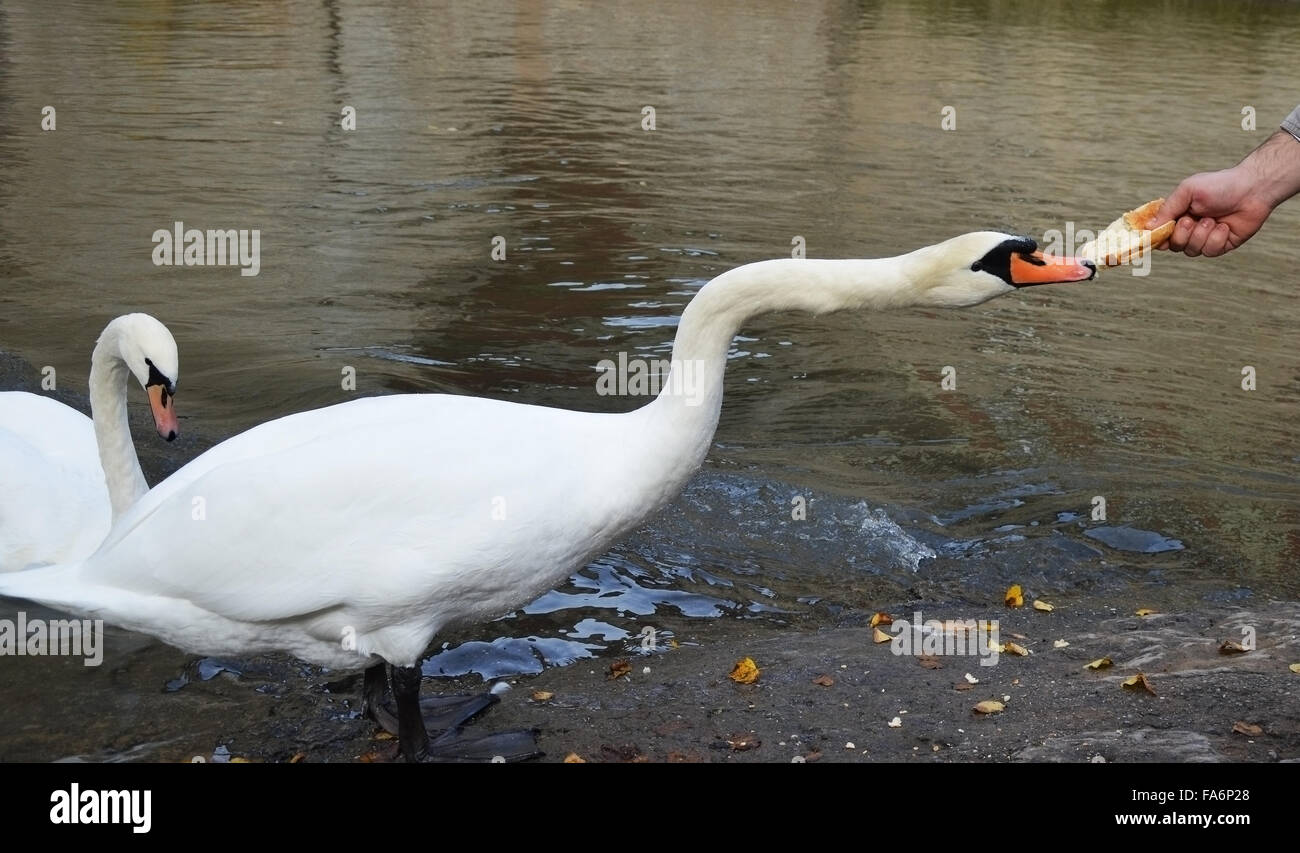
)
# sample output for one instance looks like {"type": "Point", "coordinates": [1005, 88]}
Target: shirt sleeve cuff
{"type": "Point", "coordinates": [1291, 124]}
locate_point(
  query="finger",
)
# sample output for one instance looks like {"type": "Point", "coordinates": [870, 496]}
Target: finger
{"type": "Point", "coordinates": [1201, 233]}
{"type": "Point", "coordinates": [1175, 205]}
{"type": "Point", "coordinates": [1183, 230]}
{"type": "Point", "coordinates": [1217, 243]}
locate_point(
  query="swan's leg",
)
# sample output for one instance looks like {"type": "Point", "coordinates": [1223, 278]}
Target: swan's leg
{"type": "Point", "coordinates": [412, 738]}
{"type": "Point", "coordinates": [373, 691]}
{"type": "Point", "coordinates": [452, 745]}
{"type": "Point", "coordinates": [440, 712]}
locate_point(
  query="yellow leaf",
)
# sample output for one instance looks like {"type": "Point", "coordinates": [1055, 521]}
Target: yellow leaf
{"type": "Point", "coordinates": [1015, 596]}
{"type": "Point", "coordinates": [745, 671]}
{"type": "Point", "coordinates": [1138, 682]}
{"type": "Point", "coordinates": [1099, 663]}
{"type": "Point", "coordinates": [574, 758]}
{"type": "Point", "coordinates": [1043, 606]}
{"type": "Point", "coordinates": [1015, 649]}
{"type": "Point", "coordinates": [543, 695]}
{"type": "Point", "coordinates": [989, 706]}
{"type": "Point", "coordinates": [1232, 647]}
{"type": "Point", "coordinates": [879, 636]}
{"type": "Point", "coordinates": [1145, 611]}
{"type": "Point", "coordinates": [881, 619]}
{"type": "Point", "coordinates": [1295, 667]}
{"type": "Point", "coordinates": [618, 669]}
{"type": "Point", "coordinates": [297, 757]}
{"type": "Point", "coordinates": [238, 760]}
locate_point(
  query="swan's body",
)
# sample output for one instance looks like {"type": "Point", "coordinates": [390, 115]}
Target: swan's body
{"type": "Point", "coordinates": [359, 531]}
{"type": "Point", "coordinates": [54, 506]}
{"type": "Point", "coordinates": [66, 477]}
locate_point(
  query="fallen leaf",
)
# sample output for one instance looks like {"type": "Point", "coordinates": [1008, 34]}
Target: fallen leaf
{"type": "Point", "coordinates": [1060, 644]}
{"type": "Point", "coordinates": [881, 619]}
{"type": "Point", "coordinates": [879, 636]}
{"type": "Point", "coordinates": [1295, 667]}
{"type": "Point", "coordinates": [1138, 682]}
{"type": "Point", "coordinates": [824, 680]}
{"type": "Point", "coordinates": [1015, 596]}
{"type": "Point", "coordinates": [383, 735]}
{"type": "Point", "coordinates": [543, 695]}
{"type": "Point", "coordinates": [618, 669]}
{"type": "Point", "coordinates": [574, 758]}
{"type": "Point", "coordinates": [672, 644]}
{"type": "Point", "coordinates": [896, 723]}
{"type": "Point", "coordinates": [371, 757]}
{"type": "Point", "coordinates": [1099, 663]}
{"type": "Point", "coordinates": [1246, 729]}
{"type": "Point", "coordinates": [1015, 649]}
{"type": "Point", "coordinates": [745, 671]}
{"type": "Point", "coordinates": [963, 685]}
{"type": "Point", "coordinates": [1018, 636]}
{"type": "Point", "coordinates": [628, 753]}
{"type": "Point", "coordinates": [744, 741]}
{"type": "Point", "coordinates": [239, 760]}
{"type": "Point", "coordinates": [297, 757]}
{"type": "Point", "coordinates": [810, 757]}
{"type": "Point", "coordinates": [1043, 606]}
{"type": "Point", "coordinates": [929, 662]}
{"type": "Point", "coordinates": [1145, 611]}
{"type": "Point", "coordinates": [1232, 647]}
{"type": "Point", "coordinates": [989, 706]}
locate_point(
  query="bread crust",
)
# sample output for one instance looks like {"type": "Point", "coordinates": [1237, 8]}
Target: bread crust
{"type": "Point", "coordinates": [1126, 239]}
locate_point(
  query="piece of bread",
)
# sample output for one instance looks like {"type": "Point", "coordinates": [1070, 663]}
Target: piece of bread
{"type": "Point", "coordinates": [1129, 237]}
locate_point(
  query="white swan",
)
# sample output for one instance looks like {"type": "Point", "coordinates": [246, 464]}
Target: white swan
{"type": "Point", "coordinates": [351, 535]}
{"type": "Point", "coordinates": [56, 462]}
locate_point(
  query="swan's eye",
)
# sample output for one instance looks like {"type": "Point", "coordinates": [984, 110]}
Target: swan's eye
{"type": "Point", "coordinates": [156, 377]}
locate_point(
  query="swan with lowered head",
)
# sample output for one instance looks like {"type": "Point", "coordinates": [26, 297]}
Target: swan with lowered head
{"type": "Point", "coordinates": [56, 462]}
{"type": "Point", "coordinates": [350, 536]}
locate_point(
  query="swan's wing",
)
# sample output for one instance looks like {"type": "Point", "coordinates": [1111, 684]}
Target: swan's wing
{"type": "Point", "coordinates": [52, 429]}
{"type": "Point", "coordinates": [377, 502]}
{"type": "Point", "coordinates": [53, 501]}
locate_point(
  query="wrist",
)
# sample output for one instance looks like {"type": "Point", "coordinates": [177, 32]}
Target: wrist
{"type": "Point", "coordinates": [1273, 169]}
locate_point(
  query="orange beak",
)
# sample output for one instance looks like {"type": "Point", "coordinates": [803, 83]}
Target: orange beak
{"type": "Point", "coordinates": [164, 415]}
{"type": "Point", "coordinates": [1037, 268]}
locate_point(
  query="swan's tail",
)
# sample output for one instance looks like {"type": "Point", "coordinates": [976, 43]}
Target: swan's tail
{"type": "Point", "coordinates": [54, 586]}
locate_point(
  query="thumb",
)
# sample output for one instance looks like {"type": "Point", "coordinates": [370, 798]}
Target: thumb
{"type": "Point", "coordinates": [1175, 205]}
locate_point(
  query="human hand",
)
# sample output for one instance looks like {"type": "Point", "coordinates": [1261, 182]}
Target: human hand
{"type": "Point", "coordinates": [1216, 212]}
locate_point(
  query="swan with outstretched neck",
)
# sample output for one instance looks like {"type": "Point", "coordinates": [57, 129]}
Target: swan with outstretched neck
{"type": "Point", "coordinates": [350, 536]}
{"type": "Point", "coordinates": [66, 477]}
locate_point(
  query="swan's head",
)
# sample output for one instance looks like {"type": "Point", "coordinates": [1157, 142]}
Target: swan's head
{"type": "Point", "coordinates": [149, 352]}
{"type": "Point", "coordinates": [974, 268]}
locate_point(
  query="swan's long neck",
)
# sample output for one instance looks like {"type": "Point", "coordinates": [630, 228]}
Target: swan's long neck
{"type": "Point", "coordinates": [108, 384]}
{"type": "Point", "coordinates": [685, 414]}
